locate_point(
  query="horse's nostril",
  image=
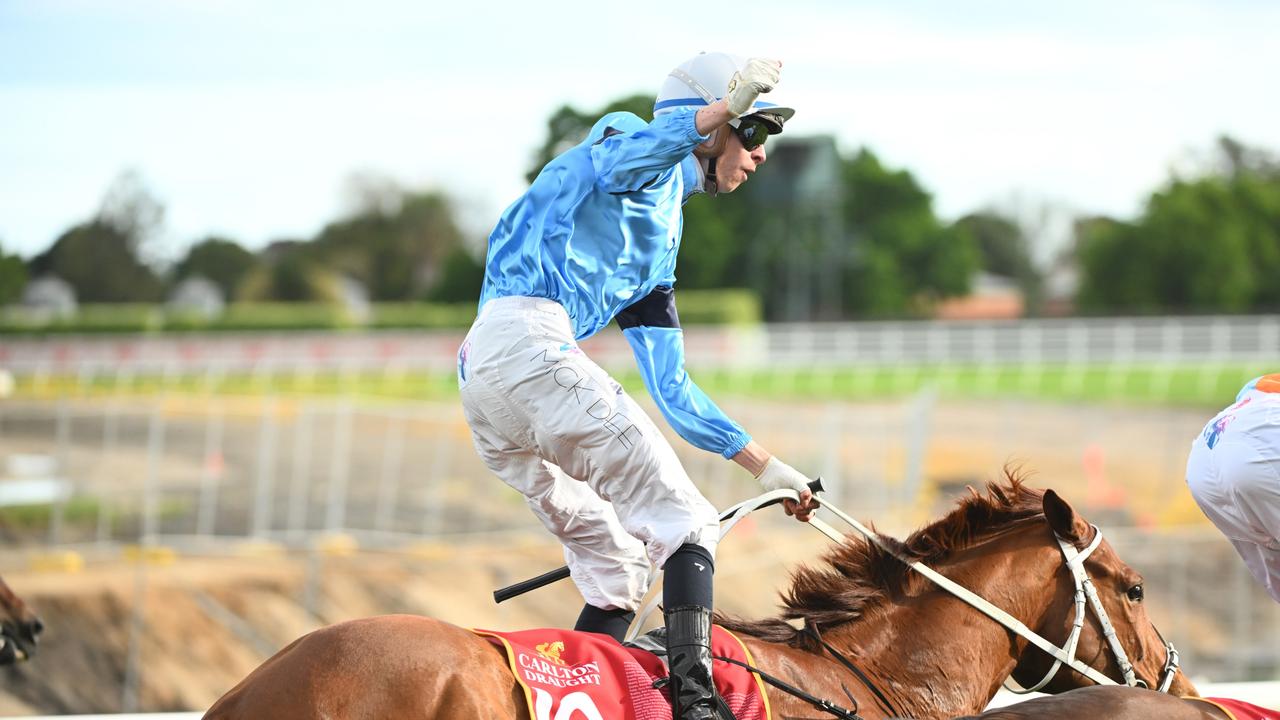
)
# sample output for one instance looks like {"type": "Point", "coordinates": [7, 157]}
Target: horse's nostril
{"type": "Point", "coordinates": [37, 627]}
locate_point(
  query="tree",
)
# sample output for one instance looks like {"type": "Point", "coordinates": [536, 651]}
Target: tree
{"type": "Point", "coordinates": [1234, 159]}
{"type": "Point", "coordinates": [1202, 244]}
{"type": "Point", "coordinates": [460, 280]}
{"type": "Point", "coordinates": [906, 257]}
{"type": "Point", "coordinates": [218, 259]}
{"type": "Point", "coordinates": [395, 244]}
{"type": "Point", "coordinates": [1004, 250]}
{"type": "Point", "coordinates": [129, 207]}
{"type": "Point", "coordinates": [99, 260]}
{"type": "Point", "coordinates": [287, 271]}
{"type": "Point", "coordinates": [293, 279]}
{"type": "Point", "coordinates": [1189, 252]}
{"type": "Point", "coordinates": [1112, 277]}
{"type": "Point", "coordinates": [13, 277]}
{"type": "Point", "coordinates": [1258, 196]}
{"type": "Point", "coordinates": [569, 126]}
{"type": "Point", "coordinates": [102, 258]}
{"type": "Point", "coordinates": [712, 248]}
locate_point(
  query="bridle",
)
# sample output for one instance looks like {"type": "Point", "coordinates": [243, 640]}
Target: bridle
{"type": "Point", "coordinates": [1074, 560]}
{"type": "Point", "coordinates": [1085, 594]}
{"type": "Point", "coordinates": [1085, 591]}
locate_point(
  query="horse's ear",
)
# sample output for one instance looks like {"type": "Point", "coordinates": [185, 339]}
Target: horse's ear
{"type": "Point", "coordinates": [1062, 517]}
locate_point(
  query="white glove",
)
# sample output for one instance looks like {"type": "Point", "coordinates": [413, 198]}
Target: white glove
{"type": "Point", "coordinates": [777, 475]}
{"type": "Point", "coordinates": [759, 76]}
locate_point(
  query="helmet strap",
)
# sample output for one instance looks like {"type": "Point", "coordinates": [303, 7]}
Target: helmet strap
{"type": "Point", "coordinates": [710, 184]}
{"type": "Point", "coordinates": [714, 146]}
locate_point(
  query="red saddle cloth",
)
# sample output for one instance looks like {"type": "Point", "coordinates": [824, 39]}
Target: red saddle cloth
{"type": "Point", "coordinates": [1239, 709]}
{"type": "Point", "coordinates": [569, 675]}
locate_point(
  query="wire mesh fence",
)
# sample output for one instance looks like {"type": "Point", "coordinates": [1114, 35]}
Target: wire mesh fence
{"type": "Point", "coordinates": [192, 471]}
{"type": "Point", "coordinates": [300, 439]}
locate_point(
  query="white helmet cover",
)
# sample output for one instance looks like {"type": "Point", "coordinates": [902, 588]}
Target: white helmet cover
{"type": "Point", "coordinates": [704, 79]}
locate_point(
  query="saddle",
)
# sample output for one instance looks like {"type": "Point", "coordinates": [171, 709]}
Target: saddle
{"type": "Point", "coordinates": [564, 672]}
{"type": "Point", "coordinates": [1238, 709]}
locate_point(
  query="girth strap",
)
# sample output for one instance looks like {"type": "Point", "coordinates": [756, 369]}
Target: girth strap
{"type": "Point", "coordinates": [823, 705]}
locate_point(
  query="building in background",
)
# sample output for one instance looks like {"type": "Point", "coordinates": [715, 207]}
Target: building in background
{"type": "Point", "coordinates": [49, 297]}
{"type": "Point", "coordinates": [993, 297]}
{"type": "Point", "coordinates": [197, 296]}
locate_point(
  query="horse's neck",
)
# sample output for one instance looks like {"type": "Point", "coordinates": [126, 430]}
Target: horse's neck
{"type": "Point", "coordinates": [934, 655]}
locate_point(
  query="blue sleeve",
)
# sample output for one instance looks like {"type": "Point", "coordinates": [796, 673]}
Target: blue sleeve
{"type": "Point", "coordinates": [653, 331]}
{"type": "Point", "coordinates": [630, 154]}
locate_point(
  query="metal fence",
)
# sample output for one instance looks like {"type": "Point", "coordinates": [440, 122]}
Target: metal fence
{"type": "Point", "coordinates": [1074, 341]}
{"type": "Point", "coordinates": [204, 471]}
{"type": "Point", "coordinates": [1112, 341]}
{"type": "Point", "coordinates": [96, 465]}
{"type": "Point", "coordinates": [171, 467]}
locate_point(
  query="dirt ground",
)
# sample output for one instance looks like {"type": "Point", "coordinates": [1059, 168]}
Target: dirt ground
{"type": "Point", "coordinates": [207, 620]}
{"type": "Point", "coordinates": [210, 621]}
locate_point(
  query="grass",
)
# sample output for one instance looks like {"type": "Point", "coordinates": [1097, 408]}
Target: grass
{"type": "Point", "coordinates": [1174, 385]}
{"type": "Point", "coordinates": [1158, 385]}
{"type": "Point", "coordinates": [81, 513]}
{"type": "Point", "coordinates": [25, 518]}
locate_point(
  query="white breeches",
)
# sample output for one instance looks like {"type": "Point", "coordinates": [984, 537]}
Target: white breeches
{"type": "Point", "coordinates": [591, 464]}
{"type": "Point", "coordinates": [1236, 482]}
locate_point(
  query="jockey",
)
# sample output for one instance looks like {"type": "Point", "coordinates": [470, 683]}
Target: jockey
{"type": "Point", "coordinates": [1234, 475]}
{"type": "Point", "coordinates": [594, 239]}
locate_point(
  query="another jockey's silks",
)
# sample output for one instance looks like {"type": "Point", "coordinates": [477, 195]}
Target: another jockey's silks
{"type": "Point", "coordinates": [1233, 473]}
{"type": "Point", "coordinates": [1260, 384]}
{"type": "Point", "coordinates": [598, 232]}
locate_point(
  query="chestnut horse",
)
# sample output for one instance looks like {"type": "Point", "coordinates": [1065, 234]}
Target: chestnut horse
{"type": "Point", "coordinates": [924, 653]}
{"type": "Point", "coordinates": [1111, 702]}
{"type": "Point", "coordinates": [19, 627]}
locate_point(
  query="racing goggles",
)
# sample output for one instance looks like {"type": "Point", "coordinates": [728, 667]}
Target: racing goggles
{"type": "Point", "coordinates": [752, 132]}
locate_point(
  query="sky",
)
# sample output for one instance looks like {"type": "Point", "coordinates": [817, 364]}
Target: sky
{"type": "Point", "coordinates": [248, 119]}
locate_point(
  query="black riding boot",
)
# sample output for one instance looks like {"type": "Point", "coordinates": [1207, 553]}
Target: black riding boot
{"type": "Point", "coordinates": [686, 594]}
{"type": "Point", "coordinates": [606, 622]}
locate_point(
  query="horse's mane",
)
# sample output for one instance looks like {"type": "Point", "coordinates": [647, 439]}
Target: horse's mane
{"type": "Point", "coordinates": [857, 575]}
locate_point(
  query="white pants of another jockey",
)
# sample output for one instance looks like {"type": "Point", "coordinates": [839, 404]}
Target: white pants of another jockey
{"type": "Point", "coordinates": [1234, 475]}
{"type": "Point", "coordinates": [591, 464]}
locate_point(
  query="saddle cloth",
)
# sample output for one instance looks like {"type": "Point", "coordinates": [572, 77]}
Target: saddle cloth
{"type": "Point", "coordinates": [568, 675]}
{"type": "Point", "coordinates": [1239, 709]}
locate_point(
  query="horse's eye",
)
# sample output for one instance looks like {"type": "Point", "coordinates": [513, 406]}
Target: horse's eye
{"type": "Point", "coordinates": [1136, 594]}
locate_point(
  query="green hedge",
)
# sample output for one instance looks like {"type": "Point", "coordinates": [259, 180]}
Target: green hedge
{"type": "Point", "coordinates": [423, 315]}
{"type": "Point", "coordinates": [731, 307]}
{"type": "Point", "coordinates": [719, 307]}
{"type": "Point", "coordinates": [120, 318]}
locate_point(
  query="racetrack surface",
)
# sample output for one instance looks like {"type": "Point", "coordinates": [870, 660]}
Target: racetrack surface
{"type": "Point", "coordinates": [221, 607]}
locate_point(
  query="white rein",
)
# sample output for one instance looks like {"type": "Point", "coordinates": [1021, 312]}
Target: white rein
{"type": "Point", "coordinates": [1075, 559]}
